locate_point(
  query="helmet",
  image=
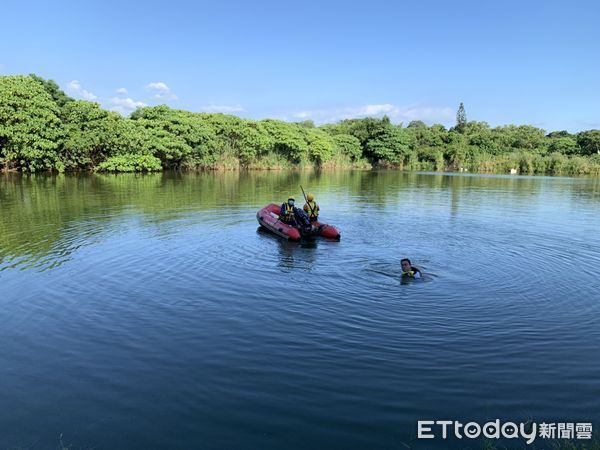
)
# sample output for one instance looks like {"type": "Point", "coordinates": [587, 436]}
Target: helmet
{"type": "Point", "coordinates": [310, 197]}
{"type": "Point", "coordinates": [291, 198]}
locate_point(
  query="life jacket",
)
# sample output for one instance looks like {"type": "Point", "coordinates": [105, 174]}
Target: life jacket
{"type": "Point", "coordinates": [288, 215]}
{"type": "Point", "coordinates": [411, 272]}
{"type": "Point", "coordinates": [312, 209]}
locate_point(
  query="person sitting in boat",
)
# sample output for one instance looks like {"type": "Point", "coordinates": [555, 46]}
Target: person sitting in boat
{"type": "Point", "coordinates": [311, 207]}
{"type": "Point", "coordinates": [408, 270]}
{"type": "Point", "coordinates": [287, 212]}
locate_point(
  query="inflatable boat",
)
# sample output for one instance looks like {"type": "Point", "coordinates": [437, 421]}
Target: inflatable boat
{"type": "Point", "coordinates": [268, 217]}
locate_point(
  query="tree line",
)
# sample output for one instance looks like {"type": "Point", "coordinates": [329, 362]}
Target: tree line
{"type": "Point", "coordinates": [43, 129]}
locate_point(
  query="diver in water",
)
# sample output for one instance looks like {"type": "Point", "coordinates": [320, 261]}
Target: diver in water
{"type": "Point", "coordinates": [408, 270]}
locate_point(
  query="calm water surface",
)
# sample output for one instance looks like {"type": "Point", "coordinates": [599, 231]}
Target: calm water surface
{"type": "Point", "coordinates": [151, 312]}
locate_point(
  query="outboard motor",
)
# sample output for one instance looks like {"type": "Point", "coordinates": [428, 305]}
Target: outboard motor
{"type": "Point", "coordinates": [303, 221]}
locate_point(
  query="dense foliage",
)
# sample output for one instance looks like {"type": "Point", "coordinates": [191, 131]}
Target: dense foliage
{"type": "Point", "coordinates": [42, 129]}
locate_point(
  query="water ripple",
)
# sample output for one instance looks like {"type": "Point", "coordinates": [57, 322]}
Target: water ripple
{"type": "Point", "coordinates": [155, 311]}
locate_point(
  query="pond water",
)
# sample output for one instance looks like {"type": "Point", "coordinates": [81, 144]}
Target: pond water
{"type": "Point", "coordinates": [150, 311]}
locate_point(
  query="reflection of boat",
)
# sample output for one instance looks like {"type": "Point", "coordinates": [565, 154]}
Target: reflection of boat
{"type": "Point", "coordinates": [268, 217]}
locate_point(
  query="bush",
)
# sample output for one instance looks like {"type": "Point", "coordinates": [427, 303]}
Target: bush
{"type": "Point", "coordinates": [130, 163]}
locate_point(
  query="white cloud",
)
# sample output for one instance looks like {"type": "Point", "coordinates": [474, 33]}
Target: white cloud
{"type": "Point", "coordinates": [374, 110]}
{"type": "Point", "coordinates": [122, 91]}
{"type": "Point", "coordinates": [159, 86]}
{"type": "Point", "coordinates": [395, 113]}
{"type": "Point", "coordinates": [74, 88]}
{"type": "Point", "coordinates": [222, 108]}
{"type": "Point", "coordinates": [162, 91]}
{"type": "Point", "coordinates": [125, 105]}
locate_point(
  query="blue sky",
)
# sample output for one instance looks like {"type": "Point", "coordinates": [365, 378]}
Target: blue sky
{"type": "Point", "coordinates": [521, 62]}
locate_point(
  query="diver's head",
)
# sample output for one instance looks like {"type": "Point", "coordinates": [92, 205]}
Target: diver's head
{"type": "Point", "coordinates": [406, 265]}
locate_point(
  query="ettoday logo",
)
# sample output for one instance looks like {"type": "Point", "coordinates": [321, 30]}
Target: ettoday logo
{"type": "Point", "coordinates": [530, 431]}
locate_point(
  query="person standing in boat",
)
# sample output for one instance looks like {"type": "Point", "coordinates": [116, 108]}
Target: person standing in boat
{"type": "Point", "coordinates": [311, 207]}
{"type": "Point", "coordinates": [287, 212]}
{"type": "Point", "coordinates": [408, 270]}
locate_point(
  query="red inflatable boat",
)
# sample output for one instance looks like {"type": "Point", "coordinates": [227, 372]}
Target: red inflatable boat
{"type": "Point", "coordinates": [268, 217]}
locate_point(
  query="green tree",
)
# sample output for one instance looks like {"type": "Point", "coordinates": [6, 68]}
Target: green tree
{"type": "Point", "coordinates": [480, 135]}
{"type": "Point", "coordinates": [287, 140]}
{"type": "Point", "coordinates": [54, 90]}
{"type": "Point", "coordinates": [390, 144]}
{"type": "Point", "coordinates": [566, 145]}
{"type": "Point", "coordinates": [252, 141]}
{"type": "Point", "coordinates": [180, 138]}
{"type": "Point", "coordinates": [90, 134]}
{"type": "Point", "coordinates": [30, 127]}
{"type": "Point", "coordinates": [417, 124]}
{"type": "Point", "coordinates": [589, 142]}
{"type": "Point", "coordinates": [362, 129]}
{"type": "Point", "coordinates": [521, 137]}
{"type": "Point", "coordinates": [347, 145]}
{"type": "Point", "coordinates": [425, 136]}
{"type": "Point", "coordinates": [559, 134]}
{"type": "Point", "coordinates": [320, 145]}
{"type": "Point", "coordinates": [306, 124]}
{"type": "Point", "coordinates": [461, 118]}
